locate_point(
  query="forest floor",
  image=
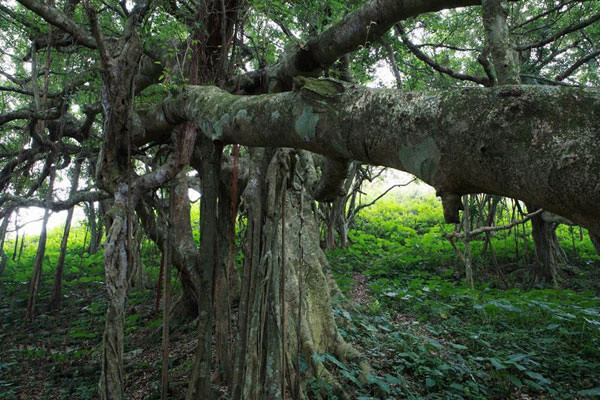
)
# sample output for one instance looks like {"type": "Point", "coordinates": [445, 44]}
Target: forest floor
{"type": "Point", "coordinates": [425, 336]}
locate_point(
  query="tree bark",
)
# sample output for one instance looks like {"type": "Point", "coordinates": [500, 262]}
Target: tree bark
{"type": "Point", "coordinates": [21, 248]}
{"type": "Point", "coordinates": [3, 229]}
{"type": "Point", "coordinates": [115, 272]}
{"type": "Point", "coordinates": [200, 382]}
{"type": "Point", "coordinates": [548, 253]}
{"type": "Point", "coordinates": [16, 248]}
{"type": "Point", "coordinates": [137, 274]}
{"type": "Point", "coordinates": [261, 355]}
{"type": "Point", "coordinates": [467, 229]}
{"type": "Point", "coordinates": [515, 125]}
{"type": "Point", "coordinates": [36, 274]}
{"type": "Point", "coordinates": [596, 242]}
{"type": "Point", "coordinates": [95, 228]}
{"type": "Point", "coordinates": [505, 59]}
{"type": "Point", "coordinates": [56, 294]}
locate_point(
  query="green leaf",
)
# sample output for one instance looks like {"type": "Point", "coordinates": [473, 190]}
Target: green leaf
{"type": "Point", "coordinates": [394, 380]}
{"type": "Point", "coordinates": [497, 363]}
{"type": "Point", "coordinates": [517, 357]}
{"type": "Point", "coordinates": [589, 392]}
{"type": "Point", "coordinates": [537, 377]}
{"type": "Point", "coordinates": [515, 380]}
{"type": "Point", "coordinates": [351, 378]}
{"type": "Point", "coordinates": [335, 361]}
{"type": "Point", "coordinates": [318, 358]}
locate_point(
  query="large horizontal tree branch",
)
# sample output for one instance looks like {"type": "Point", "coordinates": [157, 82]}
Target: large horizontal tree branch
{"type": "Point", "coordinates": [540, 144]}
{"type": "Point", "coordinates": [8, 201]}
{"type": "Point", "coordinates": [24, 113]}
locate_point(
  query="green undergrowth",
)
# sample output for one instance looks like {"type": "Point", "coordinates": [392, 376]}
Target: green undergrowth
{"type": "Point", "coordinates": [57, 355]}
{"type": "Point", "coordinates": [424, 333]}
{"type": "Point", "coordinates": [429, 336]}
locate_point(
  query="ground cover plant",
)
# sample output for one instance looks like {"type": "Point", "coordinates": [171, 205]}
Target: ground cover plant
{"type": "Point", "coordinates": [492, 341]}
{"type": "Point", "coordinates": [424, 333]}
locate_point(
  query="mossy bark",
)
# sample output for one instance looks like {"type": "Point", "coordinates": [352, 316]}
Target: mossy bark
{"type": "Point", "coordinates": [262, 354]}
{"type": "Point", "coordinates": [470, 140]}
{"type": "Point", "coordinates": [548, 253]}
{"type": "Point", "coordinates": [115, 272]}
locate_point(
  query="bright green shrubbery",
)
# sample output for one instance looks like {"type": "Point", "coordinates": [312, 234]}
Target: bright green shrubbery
{"type": "Point", "coordinates": [456, 342]}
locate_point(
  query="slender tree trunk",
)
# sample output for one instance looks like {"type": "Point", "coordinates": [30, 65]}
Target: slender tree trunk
{"type": "Point", "coordinates": [93, 227]}
{"type": "Point", "coordinates": [166, 278]}
{"type": "Point", "coordinates": [21, 248]}
{"type": "Point", "coordinates": [36, 275]}
{"type": "Point", "coordinates": [16, 248]}
{"type": "Point", "coordinates": [3, 229]}
{"type": "Point", "coordinates": [493, 205]}
{"type": "Point", "coordinates": [137, 275]}
{"type": "Point", "coordinates": [596, 242]}
{"type": "Point", "coordinates": [467, 228]}
{"type": "Point", "coordinates": [56, 294]}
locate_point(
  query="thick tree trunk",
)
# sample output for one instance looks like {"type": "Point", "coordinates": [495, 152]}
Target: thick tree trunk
{"type": "Point", "coordinates": [548, 253]}
{"type": "Point", "coordinates": [200, 381]}
{"type": "Point", "coordinates": [504, 58]}
{"type": "Point", "coordinates": [227, 281]}
{"type": "Point", "coordinates": [115, 271]}
{"type": "Point", "coordinates": [265, 364]}
{"type": "Point", "coordinates": [56, 294]}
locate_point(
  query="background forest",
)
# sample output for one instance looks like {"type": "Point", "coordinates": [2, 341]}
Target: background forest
{"type": "Point", "coordinates": [301, 270]}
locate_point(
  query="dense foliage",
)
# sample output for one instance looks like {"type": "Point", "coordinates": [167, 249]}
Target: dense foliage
{"type": "Point", "coordinates": [455, 342]}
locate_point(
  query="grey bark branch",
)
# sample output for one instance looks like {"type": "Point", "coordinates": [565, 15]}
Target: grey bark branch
{"type": "Point", "coordinates": [76, 198]}
{"type": "Point", "coordinates": [360, 28]}
{"type": "Point", "coordinates": [438, 67]}
{"type": "Point", "coordinates": [577, 64]}
{"type": "Point", "coordinates": [510, 126]}
{"type": "Point", "coordinates": [566, 31]}
{"type": "Point", "coordinates": [487, 229]}
{"type": "Point", "coordinates": [57, 18]}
